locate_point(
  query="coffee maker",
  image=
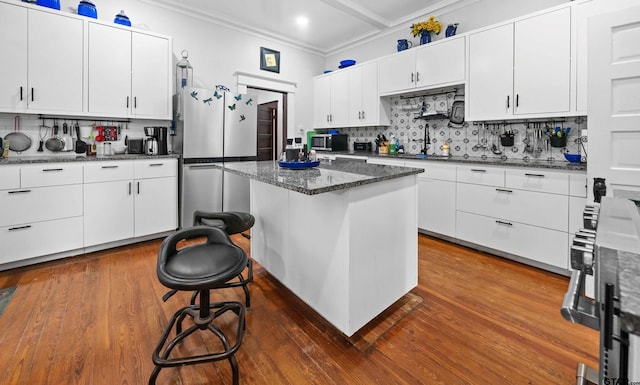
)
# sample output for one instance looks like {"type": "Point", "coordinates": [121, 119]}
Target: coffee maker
{"type": "Point", "coordinates": [156, 140]}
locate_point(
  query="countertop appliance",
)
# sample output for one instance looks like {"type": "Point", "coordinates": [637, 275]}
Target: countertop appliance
{"type": "Point", "coordinates": [213, 126]}
{"type": "Point", "coordinates": [608, 248]}
{"type": "Point", "coordinates": [330, 142]}
{"type": "Point", "coordinates": [159, 136]}
{"type": "Point", "coordinates": [362, 146]}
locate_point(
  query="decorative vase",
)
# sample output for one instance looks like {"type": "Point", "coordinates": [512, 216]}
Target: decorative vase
{"type": "Point", "coordinates": [425, 37]}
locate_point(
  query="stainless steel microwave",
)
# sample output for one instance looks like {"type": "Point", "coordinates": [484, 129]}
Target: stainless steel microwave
{"type": "Point", "coordinates": [330, 142]}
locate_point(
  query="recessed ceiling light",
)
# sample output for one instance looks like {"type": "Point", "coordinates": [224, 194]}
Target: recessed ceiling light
{"type": "Point", "coordinates": [302, 21]}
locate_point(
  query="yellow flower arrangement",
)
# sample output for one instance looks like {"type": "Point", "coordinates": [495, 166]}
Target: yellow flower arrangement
{"type": "Point", "coordinates": [431, 25]}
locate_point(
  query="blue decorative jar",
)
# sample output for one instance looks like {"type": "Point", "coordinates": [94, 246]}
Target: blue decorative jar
{"type": "Point", "coordinates": [425, 38]}
{"type": "Point", "coordinates": [55, 4]}
{"type": "Point", "coordinates": [451, 30]}
{"type": "Point", "coordinates": [88, 9]}
{"type": "Point", "coordinates": [122, 19]}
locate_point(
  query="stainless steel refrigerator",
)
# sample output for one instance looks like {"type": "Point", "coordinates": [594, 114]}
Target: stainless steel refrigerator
{"type": "Point", "coordinates": [213, 126]}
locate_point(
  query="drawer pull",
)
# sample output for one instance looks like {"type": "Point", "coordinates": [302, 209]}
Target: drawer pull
{"type": "Point", "coordinates": [20, 228]}
{"type": "Point", "coordinates": [504, 223]}
{"type": "Point", "coordinates": [503, 190]}
{"type": "Point", "coordinates": [536, 175]}
{"type": "Point", "coordinates": [19, 192]}
{"type": "Point", "coordinates": [52, 169]}
{"type": "Point", "coordinates": [156, 164]}
{"type": "Point", "coordinates": [109, 166]}
{"type": "Point", "coordinates": [478, 170]}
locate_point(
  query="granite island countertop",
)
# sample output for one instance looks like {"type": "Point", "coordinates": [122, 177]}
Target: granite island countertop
{"type": "Point", "coordinates": [321, 179]}
{"type": "Point", "coordinates": [16, 159]}
{"type": "Point", "coordinates": [488, 161]}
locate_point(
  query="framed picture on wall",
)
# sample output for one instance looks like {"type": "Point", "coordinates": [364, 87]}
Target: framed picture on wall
{"type": "Point", "coordinates": [269, 60]}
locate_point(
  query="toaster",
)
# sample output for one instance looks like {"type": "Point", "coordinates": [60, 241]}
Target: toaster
{"type": "Point", "coordinates": [362, 146]}
{"type": "Point", "coordinates": [135, 146]}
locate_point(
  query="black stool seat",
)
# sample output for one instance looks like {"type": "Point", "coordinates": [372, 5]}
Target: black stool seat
{"type": "Point", "coordinates": [232, 222]}
{"type": "Point", "coordinates": [199, 267]}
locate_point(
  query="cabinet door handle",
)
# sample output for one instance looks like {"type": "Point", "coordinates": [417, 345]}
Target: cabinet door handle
{"type": "Point", "coordinates": [536, 175]}
{"type": "Point", "coordinates": [127, 102]}
{"type": "Point", "coordinates": [504, 190]}
{"type": "Point", "coordinates": [156, 164]}
{"type": "Point", "coordinates": [331, 117]}
{"type": "Point", "coordinates": [129, 188]}
{"type": "Point", "coordinates": [412, 77]}
{"type": "Point", "coordinates": [20, 228]}
{"type": "Point", "coordinates": [504, 223]}
{"type": "Point", "coordinates": [508, 101]}
{"type": "Point", "coordinates": [19, 192]}
{"type": "Point", "coordinates": [20, 93]}
{"type": "Point", "coordinates": [32, 93]}
{"type": "Point", "coordinates": [517, 100]}
{"type": "Point", "coordinates": [135, 102]}
{"type": "Point", "coordinates": [138, 188]}
{"type": "Point", "coordinates": [417, 77]}
{"type": "Point", "coordinates": [359, 114]}
{"type": "Point", "coordinates": [52, 169]}
{"type": "Point", "coordinates": [478, 170]}
{"type": "Point", "coordinates": [109, 166]}
{"type": "Point", "coordinates": [363, 115]}
{"type": "Point", "coordinates": [327, 118]}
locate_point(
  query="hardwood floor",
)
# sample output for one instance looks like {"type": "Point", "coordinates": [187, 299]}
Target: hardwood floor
{"type": "Point", "coordinates": [95, 319]}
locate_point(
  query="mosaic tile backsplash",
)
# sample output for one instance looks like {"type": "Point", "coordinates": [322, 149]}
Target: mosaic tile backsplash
{"type": "Point", "coordinates": [531, 139]}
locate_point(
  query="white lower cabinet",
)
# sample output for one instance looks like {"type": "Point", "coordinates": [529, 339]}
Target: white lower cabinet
{"type": "Point", "coordinates": [31, 240]}
{"type": "Point", "coordinates": [40, 217]}
{"type": "Point", "coordinates": [436, 197]}
{"type": "Point", "coordinates": [532, 242]}
{"type": "Point", "coordinates": [155, 205]}
{"type": "Point", "coordinates": [128, 199]}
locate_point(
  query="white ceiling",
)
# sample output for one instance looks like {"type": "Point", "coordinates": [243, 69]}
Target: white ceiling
{"type": "Point", "coordinates": [333, 24]}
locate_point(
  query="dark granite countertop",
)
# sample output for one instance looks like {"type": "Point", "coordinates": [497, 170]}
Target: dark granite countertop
{"type": "Point", "coordinates": [321, 179]}
{"type": "Point", "coordinates": [78, 158]}
{"type": "Point", "coordinates": [534, 163]}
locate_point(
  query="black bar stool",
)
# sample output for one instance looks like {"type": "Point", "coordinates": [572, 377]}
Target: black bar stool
{"type": "Point", "coordinates": [232, 222]}
{"type": "Point", "coordinates": [201, 268]}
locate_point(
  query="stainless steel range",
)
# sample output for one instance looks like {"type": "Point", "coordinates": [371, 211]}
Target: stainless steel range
{"type": "Point", "coordinates": [608, 248]}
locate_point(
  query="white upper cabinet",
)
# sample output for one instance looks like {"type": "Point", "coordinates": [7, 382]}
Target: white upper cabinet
{"type": "Point", "coordinates": [397, 72]}
{"type": "Point", "coordinates": [542, 63]}
{"type": "Point", "coordinates": [129, 73]}
{"type": "Point", "coordinates": [55, 65]}
{"type": "Point", "coordinates": [441, 63]}
{"type": "Point", "coordinates": [490, 73]}
{"type": "Point", "coordinates": [365, 106]}
{"type": "Point", "coordinates": [13, 45]}
{"type": "Point", "coordinates": [150, 76]}
{"type": "Point", "coordinates": [66, 64]}
{"type": "Point", "coordinates": [43, 61]}
{"type": "Point", "coordinates": [109, 70]}
{"type": "Point", "coordinates": [331, 100]}
{"type": "Point", "coordinates": [521, 69]}
{"type": "Point", "coordinates": [436, 64]}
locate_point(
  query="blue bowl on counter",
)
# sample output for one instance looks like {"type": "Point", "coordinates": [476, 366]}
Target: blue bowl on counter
{"type": "Point", "coordinates": [55, 4]}
{"type": "Point", "coordinates": [88, 9]}
{"type": "Point", "coordinates": [573, 158]}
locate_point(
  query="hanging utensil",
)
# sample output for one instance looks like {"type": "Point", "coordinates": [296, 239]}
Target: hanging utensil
{"type": "Point", "coordinates": [18, 141]}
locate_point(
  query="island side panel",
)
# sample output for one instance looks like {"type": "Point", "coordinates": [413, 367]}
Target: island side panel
{"type": "Point", "coordinates": [270, 207]}
{"type": "Point", "coordinates": [299, 239]}
{"type": "Point", "coordinates": [383, 247]}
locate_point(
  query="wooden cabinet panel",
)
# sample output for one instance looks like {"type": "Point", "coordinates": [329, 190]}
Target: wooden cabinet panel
{"type": "Point", "coordinates": [442, 62]}
{"type": "Point", "coordinates": [537, 180]}
{"type": "Point", "coordinates": [40, 204]}
{"type": "Point", "coordinates": [108, 212]}
{"type": "Point", "coordinates": [51, 174]}
{"type": "Point", "coordinates": [481, 175]}
{"type": "Point", "coordinates": [150, 76]}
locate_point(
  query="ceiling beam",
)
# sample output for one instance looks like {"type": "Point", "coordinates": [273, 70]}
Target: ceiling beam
{"type": "Point", "coordinates": [355, 10]}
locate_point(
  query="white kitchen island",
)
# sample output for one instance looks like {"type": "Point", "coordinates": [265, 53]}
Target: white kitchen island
{"type": "Point", "coordinates": [342, 237]}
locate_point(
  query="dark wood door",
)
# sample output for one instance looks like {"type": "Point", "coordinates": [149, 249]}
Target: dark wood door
{"type": "Point", "coordinates": [267, 130]}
